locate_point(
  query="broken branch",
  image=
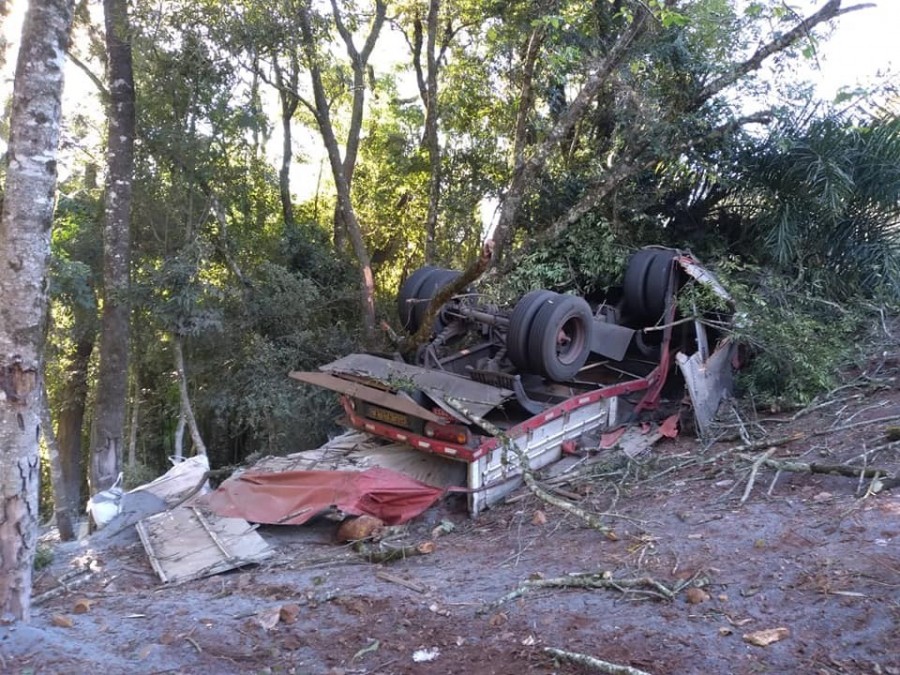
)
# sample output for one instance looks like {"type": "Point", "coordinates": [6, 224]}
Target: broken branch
{"type": "Point", "coordinates": [797, 466]}
{"type": "Point", "coordinates": [588, 580]}
{"type": "Point", "coordinates": [784, 440]}
{"type": "Point", "coordinates": [758, 462]}
{"type": "Point", "coordinates": [593, 663]}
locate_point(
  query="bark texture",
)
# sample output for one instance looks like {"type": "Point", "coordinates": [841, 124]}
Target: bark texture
{"type": "Point", "coordinates": [24, 251]}
{"type": "Point", "coordinates": [108, 436]}
{"type": "Point", "coordinates": [70, 407]}
{"type": "Point", "coordinates": [61, 501]}
{"type": "Point", "coordinates": [428, 90]}
{"type": "Point", "coordinates": [342, 168]}
{"type": "Point", "coordinates": [287, 83]}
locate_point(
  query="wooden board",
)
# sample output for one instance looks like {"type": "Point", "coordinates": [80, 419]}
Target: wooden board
{"type": "Point", "coordinates": [186, 543]}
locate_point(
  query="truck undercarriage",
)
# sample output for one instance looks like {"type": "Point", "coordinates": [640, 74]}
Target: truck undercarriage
{"type": "Point", "coordinates": [495, 388]}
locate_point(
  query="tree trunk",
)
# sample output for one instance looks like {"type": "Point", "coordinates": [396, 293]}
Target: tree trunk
{"type": "Point", "coordinates": [429, 93]}
{"type": "Point", "coordinates": [107, 444]}
{"type": "Point", "coordinates": [342, 169]}
{"type": "Point", "coordinates": [178, 451]}
{"type": "Point", "coordinates": [25, 222]}
{"type": "Point", "coordinates": [358, 62]}
{"type": "Point", "coordinates": [70, 420]}
{"type": "Point", "coordinates": [186, 409]}
{"type": "Point", "coordinates": [61, 501]}
{"type": "Point", "coordinates": [526, 170]}
{"type": "Point", "coordinates": [133, 426]}
{"type": "Point", "coordinates": [287, 87]}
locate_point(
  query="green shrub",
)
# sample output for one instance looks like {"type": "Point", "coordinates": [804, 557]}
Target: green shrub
{"type": "Point", "coordinates": [43, 557]}
{"type": "Point", "coordinates": [797, 340]}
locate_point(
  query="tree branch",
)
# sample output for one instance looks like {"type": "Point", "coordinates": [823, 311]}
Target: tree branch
{"type": "Point", "coordinates": [471, 273]}
{"type": "Point", "coordinates": [525, 172]}
{"type": "Point", "coordinates": [593, 663]}
{"type": "Point", "coordinates": [104, 92]}
{"type": "Point", "coordinates": [831, 10]}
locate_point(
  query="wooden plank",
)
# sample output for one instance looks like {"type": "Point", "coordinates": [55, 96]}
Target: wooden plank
{"type": "Point", "coordinates": [185, 544]}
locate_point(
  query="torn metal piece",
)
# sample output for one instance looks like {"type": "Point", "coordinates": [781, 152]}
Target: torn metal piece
{"type": "Point", "coordinates": [479, 398]}
{"type": "Point", "coordinates": [708, 382]}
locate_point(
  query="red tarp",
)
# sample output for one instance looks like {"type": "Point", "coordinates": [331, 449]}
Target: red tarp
{"type": "Point", "coordinates": [293, 497]}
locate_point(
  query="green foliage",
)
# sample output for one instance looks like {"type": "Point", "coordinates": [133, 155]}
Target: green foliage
{"type": "Point", "coordinates": [587, 259]}
{"type": "Point", "coordinates": [286, 320]}
{"type": "Point", "coordinates": [43, 557]}
{"type": "Point", "coordinates": [796, 340]}
{"type": "Point", "coordinates": [823, 198]}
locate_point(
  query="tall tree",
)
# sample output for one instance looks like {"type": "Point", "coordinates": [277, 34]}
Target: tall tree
{"type": "Point", "coordinates": [427, 80]}
{"type": "Point", "coordinates": [286, 79]}
{"type": "Point", "coordinates": [108, 437]}
{"type": "Point", "coordinates": [651, 138]}
{"type": "Point", "coordinates": [342, 168]}
{"type": "Point", "coordinates": [24, 251]}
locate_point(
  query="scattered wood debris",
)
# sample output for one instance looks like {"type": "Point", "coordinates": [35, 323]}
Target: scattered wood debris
{"type": "Point", "coordinates": [187, 543]}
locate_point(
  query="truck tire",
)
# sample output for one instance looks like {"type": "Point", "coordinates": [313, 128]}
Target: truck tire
{"type": "Point", "coordinates": [520, 324]}
{"type": "Point", "coordinates": [559, 341]}
{"type": "Point", "coordinates": [646, 283]}
{"type": "Point", "coordinates": [408, 293]}
{"type": "Point", "coordinates": [429, 288]}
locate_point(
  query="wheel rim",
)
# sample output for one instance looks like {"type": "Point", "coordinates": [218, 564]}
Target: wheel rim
{"type": "Point", "coordinates": [559, 339]}
{"type": "Point", "coordinates": [570, 341]}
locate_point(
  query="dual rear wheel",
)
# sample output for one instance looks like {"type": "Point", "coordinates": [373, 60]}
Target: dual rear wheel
{"type": "Point", "coordinates": [550, 334]}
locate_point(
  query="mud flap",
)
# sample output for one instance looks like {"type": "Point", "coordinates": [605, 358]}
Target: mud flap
{"type": "Point", "coordinates": [610, 340]}
{"type": "Point", "coordinates": [708, 382]}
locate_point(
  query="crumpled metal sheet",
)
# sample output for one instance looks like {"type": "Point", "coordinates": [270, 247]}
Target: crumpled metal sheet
{"type": "Point", "coordinates": [479, 398]}
{"type": "Point", "coordinates": [294, 497]}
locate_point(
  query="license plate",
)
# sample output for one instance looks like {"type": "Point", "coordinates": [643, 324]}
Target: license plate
{"type": "Point", "coordinates": [388, 417]}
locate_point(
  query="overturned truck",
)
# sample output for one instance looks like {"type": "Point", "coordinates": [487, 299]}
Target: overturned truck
{"type": "Point", "coordinates": [546, 377]}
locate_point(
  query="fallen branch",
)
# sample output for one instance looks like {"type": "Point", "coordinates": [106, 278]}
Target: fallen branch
{"type": "Point", "coordinates": [816, 467]}
{"type": "Point", "coordinates": [455, 287]}
{"type": "Point", "coordinates": [66, 586]}
{"type": "Point", "coordinates": [590, 580]}
{"type": "Point", "coordinates": [784, 440]}
{"type": "Point", "coordinates": [400, 581]}
{"type": "Point", "coordinates": [383, 553]}
{"type": "Point", "coordinates": [594, 663]}
{"type": "Point", "coordinates": [758, 462]}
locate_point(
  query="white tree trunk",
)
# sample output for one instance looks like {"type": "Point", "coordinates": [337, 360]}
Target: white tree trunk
{"type": "Point", "coordinates": [179, 431]}
{"type": "Point", "coordinates": [24, 251]}
{"type": "Point", "coordinates": [133, 427]}
{"type": "Point", "coordinates": [186, 409]}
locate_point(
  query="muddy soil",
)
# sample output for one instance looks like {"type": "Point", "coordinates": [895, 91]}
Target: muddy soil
{"type": "Point", "coordinates": [815, 555]}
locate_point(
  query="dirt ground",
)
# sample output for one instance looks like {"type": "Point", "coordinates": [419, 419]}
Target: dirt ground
{"type": "Point", "coordinates": [815, 555]}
